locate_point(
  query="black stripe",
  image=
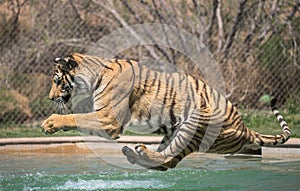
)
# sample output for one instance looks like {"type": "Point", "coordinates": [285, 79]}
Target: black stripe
{"type": "Point", "coordinates": [181, 139]}
{"type": "Point", "coordinates": [72, 79]}
{"type": "Point", "coordinates": [205, 92]}
{"type": "Point", "coordinates": [277, 113]}
{"type": "Point", "coordinates": [154, 80]}
{"type": "Point", "coordinates": [192, 92]}
{"type": "Point", "coordinates": [227, 136]}
{"type": "Point", "coordinates": [231, 136]}
{"type": "Point", "coordinates": [146, 79]}
{"type": "Point", "coordinates": [202, 116]}
{"type": "Point", "coordinates": [187, 104]}
{"type": "Point", "coordinates": [140, 77]}
{"type": "Point", "coordinates": [167, 87]}
{"type": "Point", "coordinates": [119, 64]}
{"type": "Point", "coordinates": [280, 120]}
{"type": "Point", "coordinates": [97, 62]}
{"type": "Point", "coordinates": [197, 84]}
{"type": "Point", "coordinates": [107, 85]}
{"type": "Point", "coordinates": [195, 144]}
{"type": "Point", "coordinates": [171, 111]}
{"type": "Point", "coordinates": [87, 65]}
{"type": "Point", "coordinates": [195, 127]}
{"type": "Point", "coordinates": [229, 116]}
{"type": "Point", "coordinates": [104, 106]}
{"type": "Point", "coordinates": [209, 118]}
{"type": "Point", "coordinates": [211, 91]}
{"type": "Point", "coordinates": [182, 78]}
{"type": "Point", "coordinates": [177, 143]}
{"type": "Point", "coordinates": [233, 146]}
{"type": "Point", "coordinates": [188, 131]}
{"type": "Point", "coordinates": [232, 123]}
{"type": "Point", "coordinates": [172, 86]}
{"type": "Point", "coordinates": [100, 62]}
{"type": "Point", "coordinates": [189, 148]}
{"type": "Point", "coordinates": [186, 108]}
{"type": "Point", "coordinates": [98, 83]}
{"type": "Point", "coordinates": [158, 88]}
{"type": "Point", "coordinates": [217, 101]}
{"type": "Point", "coordinates": [198, 122]}
{"type": "Point", "coordinates": [230, 143]}
{"type": "Point", "coordinates": [261, 143]}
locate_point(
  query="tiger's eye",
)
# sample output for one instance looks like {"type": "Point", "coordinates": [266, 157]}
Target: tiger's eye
{"type": "Point", "coordinates": [57, 79]}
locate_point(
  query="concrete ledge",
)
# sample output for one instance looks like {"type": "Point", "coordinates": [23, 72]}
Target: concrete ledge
{"type": "Point", "coordinates": [78, 139]}
{"type": "Point", "coordinates": [289, 150]}
{"type": "Point", "coordinates": [280, 152]}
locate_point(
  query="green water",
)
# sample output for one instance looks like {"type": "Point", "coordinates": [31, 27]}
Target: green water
{"type": "Point", "coordinates": [88, 172]}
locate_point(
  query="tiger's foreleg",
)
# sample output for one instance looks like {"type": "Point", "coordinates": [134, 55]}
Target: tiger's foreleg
{"type": "Point", "coordinates": [88, 123]}
{"type": "Point", "coordinates": [58, 122]}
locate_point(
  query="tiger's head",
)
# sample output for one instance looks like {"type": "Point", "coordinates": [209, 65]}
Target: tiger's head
{"type": "Point", "coordinates": [63, 78]}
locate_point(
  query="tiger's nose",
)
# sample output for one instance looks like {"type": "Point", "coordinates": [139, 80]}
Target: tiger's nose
{"type": "Point", "coordinates": [52, 95]}
{"type": "Point", "coordinates": [51, 98]}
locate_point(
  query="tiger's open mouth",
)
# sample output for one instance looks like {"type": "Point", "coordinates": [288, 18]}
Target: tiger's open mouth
{"type": "Point", "coordinates": [61, 99]}
{"type": "Point", "coordinates": [66, 98]}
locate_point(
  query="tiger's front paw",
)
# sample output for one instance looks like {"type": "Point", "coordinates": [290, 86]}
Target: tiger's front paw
{"type": "Point", "coordinates": [52, 124]}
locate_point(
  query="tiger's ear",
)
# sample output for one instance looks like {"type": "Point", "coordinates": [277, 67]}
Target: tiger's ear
{"type": "Point", "coordinates": [66, 64]}
{"type": "Point", "coordinates": [77, 57]}
{"type": "Point", "coordinates": [56, 60]}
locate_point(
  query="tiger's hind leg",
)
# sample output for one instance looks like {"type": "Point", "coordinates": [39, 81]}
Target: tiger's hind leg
{"type": "Point", "coordinates": [138, 155]}
{"type": "Point", "coordinates": [186, 139]}
{"type": "Point", "coordinates": [151, 159]}
{"type": "Point", "coordinates": [145, 157]}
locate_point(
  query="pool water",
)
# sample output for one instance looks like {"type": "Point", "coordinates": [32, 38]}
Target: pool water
{"type": "Point", "coordinates": [88, 172]}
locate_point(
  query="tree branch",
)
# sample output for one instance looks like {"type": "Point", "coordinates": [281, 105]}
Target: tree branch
{"type": "Point", "coordinates": [234, 27]}
{"type": "Point", "coordinates": [208, 31]}
{"type": "Point", "coordinates": [254, 23]}
{"type": "Point", "coordinates": [220, 26]}
{"type": "Point", "coordinates": [111, 9]}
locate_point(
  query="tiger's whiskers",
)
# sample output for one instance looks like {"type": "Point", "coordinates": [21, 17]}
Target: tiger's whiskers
{"type": "Point", "coordinates": [59, 105]}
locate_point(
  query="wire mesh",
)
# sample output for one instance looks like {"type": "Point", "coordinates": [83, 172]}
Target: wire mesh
{"type": "Point", "coordinates": [256, 45]}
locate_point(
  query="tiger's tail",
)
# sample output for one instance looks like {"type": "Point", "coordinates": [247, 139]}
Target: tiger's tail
{"type": "Point", "coordinates": [269, 140]}
{"type": "Point", "coordinates": [286, 132]}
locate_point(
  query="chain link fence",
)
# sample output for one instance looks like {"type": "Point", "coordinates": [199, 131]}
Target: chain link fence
{"type": "Point", "coordinates": [256, 44]}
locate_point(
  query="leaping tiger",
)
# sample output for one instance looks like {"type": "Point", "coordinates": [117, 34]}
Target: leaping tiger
{"type": "Point", "coordinates": [191, 114]}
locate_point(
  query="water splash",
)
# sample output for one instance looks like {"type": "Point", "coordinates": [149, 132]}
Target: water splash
{"type": "Point", "coordinates": [113, 184]}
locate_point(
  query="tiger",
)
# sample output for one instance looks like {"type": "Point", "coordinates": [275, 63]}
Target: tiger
{"type": "Point", "coordinates": [190, 114]}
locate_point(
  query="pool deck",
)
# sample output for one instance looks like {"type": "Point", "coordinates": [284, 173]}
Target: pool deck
{"type": "Point", "coordinates": [88, 144]}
